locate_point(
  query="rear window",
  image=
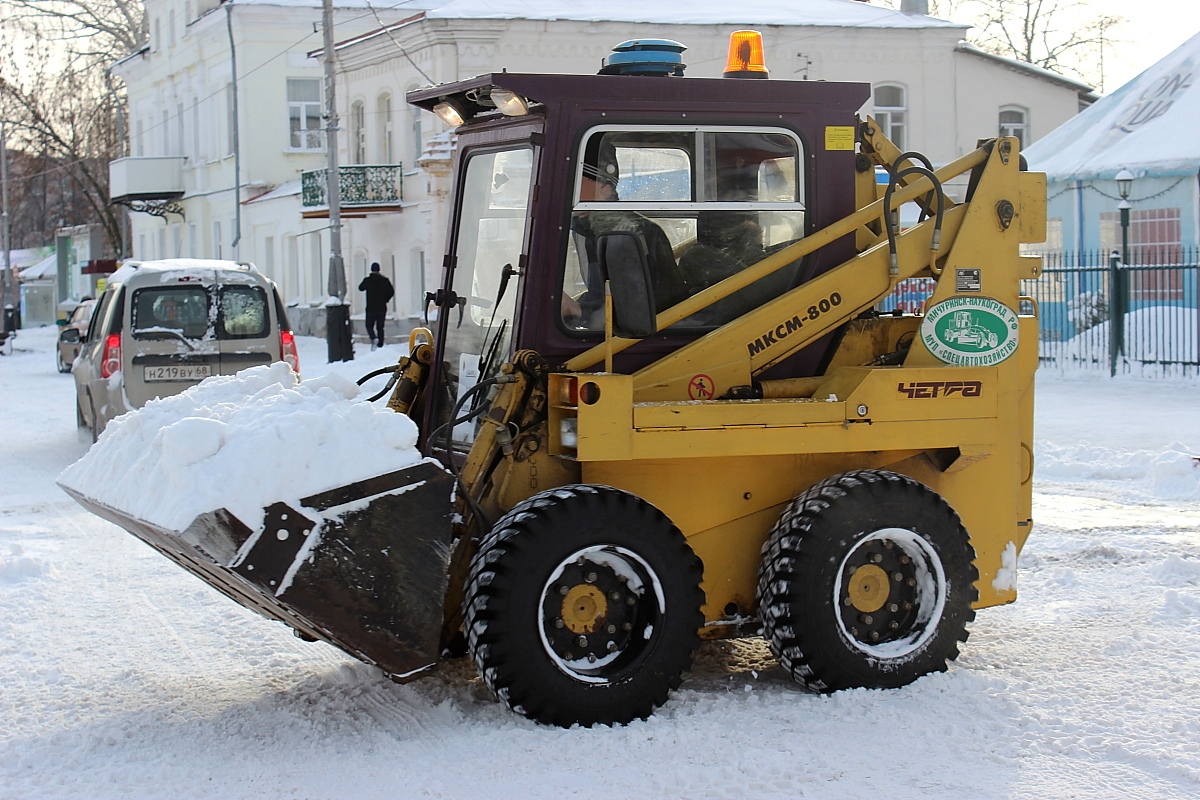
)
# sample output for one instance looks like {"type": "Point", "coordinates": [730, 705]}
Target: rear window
{"type": "Point", "coordinates": [243, 313]}
{"type": "Point", "coordinates": [183, 309]}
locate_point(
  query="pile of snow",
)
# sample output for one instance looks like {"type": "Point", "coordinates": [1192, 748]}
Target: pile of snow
{"type": "Point", "coordinates": [1170, 474]}
{"type": "Point", "coordinates": [1154, 333]}
{"type": "Point", "coordinates": [241, 442]}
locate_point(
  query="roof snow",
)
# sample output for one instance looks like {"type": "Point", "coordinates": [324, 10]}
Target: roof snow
{"type": "Point", "coordinates": [839, 13]}
{"type": "Point", "coordinates": [1143, 126]}
{"type": "Point", "coordinates": [835, 13]}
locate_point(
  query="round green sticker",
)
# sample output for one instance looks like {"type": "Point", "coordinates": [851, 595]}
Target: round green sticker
{"type": "Point", "coordinates": [970, 331]}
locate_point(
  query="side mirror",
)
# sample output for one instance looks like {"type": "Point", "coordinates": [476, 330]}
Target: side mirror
{"type": "Point", "coordinates": [69, 336]}
{"type": "Point", "coordinates": [624, 263]}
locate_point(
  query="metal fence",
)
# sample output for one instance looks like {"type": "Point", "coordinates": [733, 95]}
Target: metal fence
{"type": "Point", "coordinates": [1095, 313]}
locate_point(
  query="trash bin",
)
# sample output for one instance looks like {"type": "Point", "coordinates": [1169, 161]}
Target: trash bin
{"type": "Point", "coordinates": [10, 318]}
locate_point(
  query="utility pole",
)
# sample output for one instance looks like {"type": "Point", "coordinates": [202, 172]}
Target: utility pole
{"type": "Point", "coordinates": [337, 310]}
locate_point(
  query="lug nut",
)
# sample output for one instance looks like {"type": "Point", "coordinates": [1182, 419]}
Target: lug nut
{"type": "Point", "coordinates": [887, 543]}
{"type": "Point", "coordinates": [867, 619]}
{"type": "Point", "coordinates": [591, 659]}
{"type": "Point", "coordinates": [877, 557]}
{"type": "Point", "coordinates": [896, 576]}
{"type": "Point", "coordinates": [893, 608]}
{"type": "Point", "coordinates": [615, 595]}
{"type": "Point", "coordinates": [591, 577]}
{"type": "Point", "coordinates": [893, 625]}
{"type": "Point", "coordinates": [563, 590]}
{"type": "Point", "coordinates": [911, 582]}
{"type": "Point", "coordinates": [611, 629]}
{"type": "Point", "coordinates": [874, 636]}
{"type": "Point", "coordinates": [905, 560]}
{"type": "Point", "coordinates": [582, 642]}
{"type": "Point", "coordinates": [612, 647]}
{"type": "Point", "coordinates": [847, 601]}
{"type": "Point", "coordinates": [558, 623]}
{"type": "Point", "coordinates": [627, 627]}
{"type": "Point", "coordinates": [629, 601]}
{"type": "Point", "coordinates": [907, 606]}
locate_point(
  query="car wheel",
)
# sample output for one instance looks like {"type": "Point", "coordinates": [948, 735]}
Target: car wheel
{"type": "Point", "coordinates": [63, 366]}
{"type": "Point", "coordinates": [583, 607]}
{"type": "Point", "coordinates": [867, 580]}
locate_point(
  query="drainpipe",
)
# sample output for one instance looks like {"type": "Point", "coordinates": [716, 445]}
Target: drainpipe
{"type": "Point", "coordinates": [237, 150]}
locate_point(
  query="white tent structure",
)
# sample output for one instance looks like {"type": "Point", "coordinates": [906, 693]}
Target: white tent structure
{"type": "Point", "coordinates": [1146, 127]}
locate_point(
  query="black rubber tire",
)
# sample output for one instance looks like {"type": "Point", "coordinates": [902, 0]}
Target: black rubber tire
{"type": "Point", "coordinates": [846, 538]}
{"type": "Point", "coordinates": [63, 366]}
{"type": "Point", "coordinates": [593, 547]}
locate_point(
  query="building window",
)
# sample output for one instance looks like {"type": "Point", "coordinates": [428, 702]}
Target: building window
{"type": "Point", "coordinates": [386, 146]}
{"type": "Point", "coordinates": [416, 134]}
{"type": "Point", "coordinates": [891, 112]}
{"type": "Point", "coordinates": [197, 154]}
{"type": "Point", "coordinates": [1014, 121]}
{"type": "Point", "coordinates": [230, 119]}
{"type": "Point", "coordinates": [181, 138]}
{"type": "Point", "coordinates": [1154, 240]}
{"type": "Point", "coordinates": [358, 133]}
{"type": "Point", "coordinates": [304, 113]}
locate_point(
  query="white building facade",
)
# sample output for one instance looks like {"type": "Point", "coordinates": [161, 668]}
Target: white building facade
{"type": "Point", "coordinates": [932, 93]}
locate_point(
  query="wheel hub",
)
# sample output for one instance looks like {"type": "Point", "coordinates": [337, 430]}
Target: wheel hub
{"type": "Point", "coordinates": [597, 616]}
{"type": "Point", "coordinates": [879, 595]}
{"type": "Point", "coordinates": [583, 608]}
{"type": "Point", "coordinates": [869, 588]}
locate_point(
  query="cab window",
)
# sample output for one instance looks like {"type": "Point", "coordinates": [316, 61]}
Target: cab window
{"type": "Point", "coordinates": [701, 203]}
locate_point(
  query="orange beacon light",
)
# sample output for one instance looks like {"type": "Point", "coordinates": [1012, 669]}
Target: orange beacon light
{"type": "Point", "coordinates": [746, 56]}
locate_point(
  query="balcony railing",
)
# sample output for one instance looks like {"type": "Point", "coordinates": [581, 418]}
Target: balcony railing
{"type": "Point", "coordinates": [362, 186]}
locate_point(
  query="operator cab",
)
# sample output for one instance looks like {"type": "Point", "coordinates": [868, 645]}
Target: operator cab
{"type": "Point", "coordinates": [658, 184]}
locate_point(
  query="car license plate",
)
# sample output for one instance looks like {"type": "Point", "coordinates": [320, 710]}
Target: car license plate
{"type": "Point", "coordinates": [177, 372]}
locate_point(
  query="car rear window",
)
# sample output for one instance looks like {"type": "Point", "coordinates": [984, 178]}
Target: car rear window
{"type": "Point", "coordinates": [177, 308]}
{"type": "Point", "coordinates": [243, 313]}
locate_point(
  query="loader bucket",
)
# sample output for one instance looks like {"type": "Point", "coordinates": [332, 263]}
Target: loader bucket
{"type": "Point", "coordinates": [363, 567]}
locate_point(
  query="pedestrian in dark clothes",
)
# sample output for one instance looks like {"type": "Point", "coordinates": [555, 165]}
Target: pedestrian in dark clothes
{"type": "Point", "coordinates": [379, 291]}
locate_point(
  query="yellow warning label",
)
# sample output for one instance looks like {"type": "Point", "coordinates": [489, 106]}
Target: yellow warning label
{"type": "Point", "coordinates": [839, 137]}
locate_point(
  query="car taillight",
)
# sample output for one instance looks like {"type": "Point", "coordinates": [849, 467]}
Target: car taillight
{"type": "Point", "coordinates": [287, 347]}
{"type": "Point", "coordinates": [111, 363]}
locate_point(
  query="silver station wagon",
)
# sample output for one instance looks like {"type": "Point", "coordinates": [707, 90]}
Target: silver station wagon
{"type": "Point", "coordinates": [162, 326]}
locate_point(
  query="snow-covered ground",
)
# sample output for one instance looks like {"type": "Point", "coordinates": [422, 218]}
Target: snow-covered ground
{"type": "Point", "coordinates": [123, 677]}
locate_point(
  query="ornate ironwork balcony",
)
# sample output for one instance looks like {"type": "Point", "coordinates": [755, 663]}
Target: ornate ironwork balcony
{"type": "Point", "coordinates": [364, 187]}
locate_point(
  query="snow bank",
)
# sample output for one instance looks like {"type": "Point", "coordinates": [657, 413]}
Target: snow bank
{"type": "Point", "coordinates": [1170, 474]}
{"type": "Point", "coordinates": [241, 442]}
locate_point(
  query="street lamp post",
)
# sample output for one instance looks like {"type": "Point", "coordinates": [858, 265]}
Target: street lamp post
{"type": "Point", "coordinates": [1120, 277]}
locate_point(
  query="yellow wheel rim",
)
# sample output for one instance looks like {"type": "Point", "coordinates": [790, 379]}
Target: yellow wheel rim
{"type": "Point", "coordinates": [869, 588]}
{"type": "Point", "coordinates": [584, 607]}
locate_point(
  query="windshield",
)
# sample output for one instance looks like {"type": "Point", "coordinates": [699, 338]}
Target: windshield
{"type": "Point", "coordinates": [491, 236]}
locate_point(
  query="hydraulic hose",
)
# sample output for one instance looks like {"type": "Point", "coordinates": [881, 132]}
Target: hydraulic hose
{"type": "Point", "coordinates": [891, 225]}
